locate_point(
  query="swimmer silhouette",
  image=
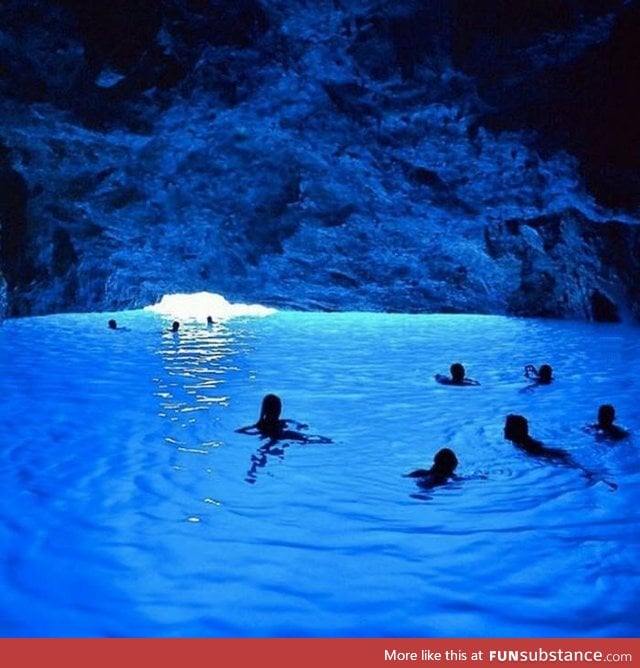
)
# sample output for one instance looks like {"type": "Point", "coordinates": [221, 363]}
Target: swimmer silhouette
{"type": "Point", "coordinates": [175, 326]}
{"type": "Point", "coordinates": [445, 463]}
{"type": "Point", "coordinates": [114, 325]}
{"type": "Point", "coordinates": [458, 377]}
{"type": "Point", "coordinates": [209, 321]}
{"type": "Point", "coordinates": [271, 425]}
{"type": "Point", "coordinates": [541, 376]}
{"type": "Point", "coordinates": [605, 426]}
{"type": "Point", "coordinates": [516, 430]}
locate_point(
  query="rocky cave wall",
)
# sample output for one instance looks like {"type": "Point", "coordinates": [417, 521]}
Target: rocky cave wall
{"type": "Point", "coordinates": [456, 156]}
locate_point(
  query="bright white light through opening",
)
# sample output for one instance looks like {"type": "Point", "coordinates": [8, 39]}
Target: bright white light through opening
{"type": "Point", "coordinates": [199, 305]}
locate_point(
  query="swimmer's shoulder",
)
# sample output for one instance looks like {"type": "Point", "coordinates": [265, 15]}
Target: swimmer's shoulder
{"type": "Point", "coordinates": [616, 432]}
{"type": "Point", "coordinates": [418, 473]}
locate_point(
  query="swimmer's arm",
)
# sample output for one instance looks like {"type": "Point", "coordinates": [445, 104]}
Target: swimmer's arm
{"type": "Point", "coordinates": [529, 387]}
{"type": "Point", "coordinates": [309, 439]}
{"type": "Point", "coordinates": [619, 432]}
{"type": "Point", "coordinates": [315, 439]}
{"type": "Point", "coordinates": [590, 475]}
{"type": "Point", "coordinates": [296, 424]}
{"type": "Point", "coordinates": [556, 453]}
{"type": "Point", "coordinates": [249, 429]}
{"type": "Point", "coordinates": [444, 380]}
{"type": "Point", "coordinates": [470, 381]}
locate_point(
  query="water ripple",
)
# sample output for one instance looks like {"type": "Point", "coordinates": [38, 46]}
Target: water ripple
{"type": "Point", "coordinates": [125, 486]}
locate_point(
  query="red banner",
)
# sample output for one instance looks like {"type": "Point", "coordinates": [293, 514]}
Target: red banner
{"type": "Point", "coordinates": [312, 653]}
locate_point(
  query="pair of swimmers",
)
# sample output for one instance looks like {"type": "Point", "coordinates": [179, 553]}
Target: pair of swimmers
{"type": "Point", "coordinates": [271, 426]}
{"type": "Point", "coordinates": [541, 376]}
{"type": "Point", "coordinates": [516, 430]}
{"type": "Point", "coordinates": [175, 325]}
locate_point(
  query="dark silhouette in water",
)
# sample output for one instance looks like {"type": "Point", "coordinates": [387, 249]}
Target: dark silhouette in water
{"type": "Point", "coordinates": [516, 430]}
{"type": "Point", "coordinates": [271, 426]}
{"type": "Point", "coordinates": [273, 448]}
{"type": "Point", "coordinates": [458, 377]}
{"type": "Point", "coordinates": [175, 326]}
{"type": "Point", "coordinates": [112, 324]}
{"type": "Point", "coordinates": [209, 321]}
{"type": "Point", "coordinates": [445, 463]}
{"type": "Point", "coordinates": [541, 376]}
{"type": "Point", "coordinates": [605, 426]}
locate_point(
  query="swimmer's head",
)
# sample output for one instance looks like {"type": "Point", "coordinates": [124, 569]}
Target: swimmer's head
{"type": "Point", "coordinates": [113, 324]}
{"type": "Point", "coordinates": [606, 415]}
{"type": "Point", "coordinates": [209, 320]}
{"type": "Point", "coordinates": [445, 462]}
{"type": "Point", "coordinates": [271, 408]}
{"type": "Point", "coordinates": [175, 326]}
{"type": "Point", "coordinates": [516, 428]}
{"type": "Point", "coordinates": [545, 373]}
{"type": "Point", "coordinates": [457, 372]}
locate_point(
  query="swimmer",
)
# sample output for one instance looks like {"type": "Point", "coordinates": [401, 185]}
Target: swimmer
{"type": "Point", "coordinates": [445, 463]}
{"type": "Point", "coordinates": [605, 425]}
{"type": "Point", "coordinates": [271, 425]}
{"type": "Point", "coordinates": [458, 377]}
{"type": "Point", "coordinates": [516, 430]}
{"type": "Point", "coordinates": [541, 376]}
{"type": "Point", "coordinates": [175, 326]}
{"type": "Point", "coordinates": [114, 325]}
{"type": "Point", "coordinates": [209, 321]}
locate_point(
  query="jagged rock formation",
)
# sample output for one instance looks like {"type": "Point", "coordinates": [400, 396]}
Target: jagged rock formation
{"type": "Point", "coordinates": [426, 155]}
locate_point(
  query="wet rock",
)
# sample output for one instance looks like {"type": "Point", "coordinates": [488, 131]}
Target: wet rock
{"type": "Point", "coordinates": [603, 308]}
{"type": "Point", "coordinates": [565, 70]}
{"type": "Point", "coordinates": [14, 230]}
{"type": "Point", "coordinates": [564, 277]}
{"type": "Point", "coordinates": [409, 156]}
{"type": "Point", "coordinates": [64, 255]}
{"type": "Point", "coordinates": [3, 299]}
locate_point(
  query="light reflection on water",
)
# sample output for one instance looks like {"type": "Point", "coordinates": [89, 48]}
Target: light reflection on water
{"type": "Point", "coordinates": [127, 508]}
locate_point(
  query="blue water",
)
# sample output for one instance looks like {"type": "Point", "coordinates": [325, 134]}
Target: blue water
{"type": "Point", "coordinates": [130, 507]}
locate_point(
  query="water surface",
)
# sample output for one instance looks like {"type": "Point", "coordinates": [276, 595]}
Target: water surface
{"type": "Point", "coordinates": [130, 507]}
